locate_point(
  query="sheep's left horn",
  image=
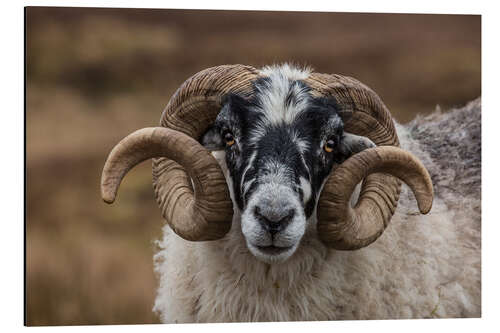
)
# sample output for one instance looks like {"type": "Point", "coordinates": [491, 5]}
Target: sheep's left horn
{"type": "Point", "coordinates": [345, 228]}
{"type": "Point", "coordinates": [202, 213]}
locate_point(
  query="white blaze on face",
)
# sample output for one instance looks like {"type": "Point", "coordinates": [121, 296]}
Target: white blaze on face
{"type": "Point", "coordinates": [246, 185]}
{"type": "Point", "coordinates": [306, 189]}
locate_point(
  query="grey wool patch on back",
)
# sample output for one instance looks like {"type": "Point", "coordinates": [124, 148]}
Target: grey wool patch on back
{"type": "Point", "coordinates": [457, 136]}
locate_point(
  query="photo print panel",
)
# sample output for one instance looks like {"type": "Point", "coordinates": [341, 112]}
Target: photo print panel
{"type": "Point", "coordinates": [298, 166]}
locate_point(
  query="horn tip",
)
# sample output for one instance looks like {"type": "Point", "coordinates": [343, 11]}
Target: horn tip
{"type": "Point", "coordinates": [425, 205]}
{"type": "Point", "coordinates": [108, 197]}
{"type": "Point", "coordinates": [108, 201]}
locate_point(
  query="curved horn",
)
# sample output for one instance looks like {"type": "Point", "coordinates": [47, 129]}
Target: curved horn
{"type": "Point", "coordinates": [179, 161]}
{"type": "Point", "coordinates": [363, 113]}
{"type": "Point", "coordinates": [345, 228]}
{"type": "Point", "coordinates": [191, 110]}
{"type": "Point", "coordinates": [203, 215]}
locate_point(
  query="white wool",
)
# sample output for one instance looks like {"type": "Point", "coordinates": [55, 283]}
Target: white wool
{"type": "Point", "coordinates": [287, 70]}
{"type": "Point", "coordinates": [272, 98]}
{"type": "Point", "coordinates": [423, 266]}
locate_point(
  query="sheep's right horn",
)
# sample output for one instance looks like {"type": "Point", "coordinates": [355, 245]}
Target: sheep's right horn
{"type": "Point", "coordinates": [192, 110]}
{"type": "Point", "coordinates": [203, 215]}
{"type": "Point", "coordinates": [345, 228]}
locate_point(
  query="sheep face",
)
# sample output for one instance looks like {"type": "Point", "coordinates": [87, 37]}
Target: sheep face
{"type": "Point", "coordinates": [280, 145]}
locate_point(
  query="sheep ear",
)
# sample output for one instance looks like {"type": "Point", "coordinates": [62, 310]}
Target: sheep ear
{"type": "Point", "coordinates": [212, 140]}
{"type": "Point", "coordinates": [352, 144]}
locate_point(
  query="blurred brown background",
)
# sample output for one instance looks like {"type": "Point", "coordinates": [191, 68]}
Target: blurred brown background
{"type": "Point", "coordinates": [95, 75]}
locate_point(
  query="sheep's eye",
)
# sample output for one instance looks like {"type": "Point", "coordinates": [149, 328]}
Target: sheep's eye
{"type": "Point", "coordinates": [229, 139]}
{"type": "Point", "coordinates": [329, 145]}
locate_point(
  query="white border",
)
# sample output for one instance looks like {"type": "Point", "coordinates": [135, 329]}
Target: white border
{"type": "Point", "coordinates": [11, 193]}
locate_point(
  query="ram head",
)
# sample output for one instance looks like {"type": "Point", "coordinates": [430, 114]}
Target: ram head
{"type": "Point", "coordinates": [296, 145]}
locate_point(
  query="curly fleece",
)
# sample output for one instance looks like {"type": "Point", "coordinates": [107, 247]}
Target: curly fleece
{"type": "Point", "coordinates": [423, 266]}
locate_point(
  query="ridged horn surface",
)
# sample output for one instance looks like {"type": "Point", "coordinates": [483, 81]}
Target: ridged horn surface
{"type": "Point", "coordinates": [200, 210]}
{"type": "Point", "coordinates": [194, 107]}
{"type": "Point", "coordinates": [191, 110]}
{"type": "Point", "coordinates": [345, 228]}
{"type": "Point", "coordinates": [363, 113]}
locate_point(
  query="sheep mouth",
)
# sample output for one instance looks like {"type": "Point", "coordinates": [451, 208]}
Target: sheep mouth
{"type": "Point", "coordinates": [273, 250]}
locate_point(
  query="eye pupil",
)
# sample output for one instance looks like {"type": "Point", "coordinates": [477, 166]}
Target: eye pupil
{"type": "Point", "coordinates": [329, 145]}
{"type": "Point", "coordinates": [228, 137]}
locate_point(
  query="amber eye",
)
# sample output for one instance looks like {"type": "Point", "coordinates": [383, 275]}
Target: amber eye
{"type": "Point", "coordinates": [229, 138]}
{"type": "Point", "coordinates": [329, 145]}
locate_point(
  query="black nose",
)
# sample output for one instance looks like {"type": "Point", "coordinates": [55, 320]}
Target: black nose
{"type": "Point", "coordinates": [273, 220]}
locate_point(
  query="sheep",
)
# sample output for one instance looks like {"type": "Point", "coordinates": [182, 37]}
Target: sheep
{"type": "Point", "coordinates": [301, 267]}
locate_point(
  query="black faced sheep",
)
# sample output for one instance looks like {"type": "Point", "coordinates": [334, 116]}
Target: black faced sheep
{"type": "Point", "coordinates": [276, 226]}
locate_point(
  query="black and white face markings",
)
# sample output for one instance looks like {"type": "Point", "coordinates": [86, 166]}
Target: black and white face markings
{"type": "Point", "coordinates": [280, 145]}
{"type": "Point", "coordinates": [292, 153]}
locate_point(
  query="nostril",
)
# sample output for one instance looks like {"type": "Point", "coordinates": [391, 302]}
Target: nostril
{"type": "Point", "coordinates": [288, 217]}
{"type": "Point", "coordinates": [273, 221]}
{"type": "Point", "coordinates": [257, 211]}
{"type": "Point", "coordinates": [261, 217]}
